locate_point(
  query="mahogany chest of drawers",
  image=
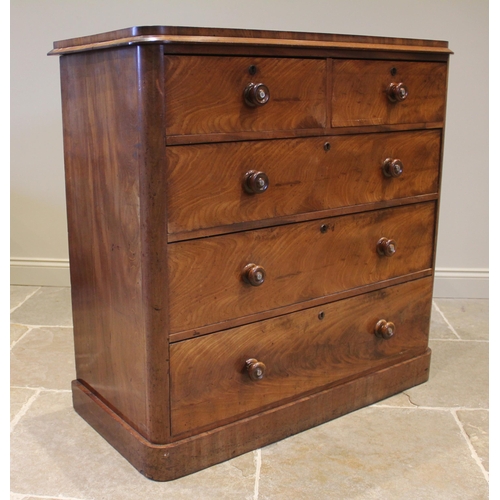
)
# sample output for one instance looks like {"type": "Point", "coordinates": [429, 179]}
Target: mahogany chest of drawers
{"type": "Point", "coordinates": [252, 227]}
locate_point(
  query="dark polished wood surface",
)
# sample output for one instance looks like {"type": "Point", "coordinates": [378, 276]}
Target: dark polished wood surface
{"type": "Point", "coordinates": [188, 455]}
{"type": "Point", "coordinates": [302, 352]}
{"type": "Point", "coordinates": [301, 262]}
{"type": "Point", "coordinates": [224, 36]}
{"type": "Point", "coordinates": [305, 176]}
{"type": "Point", "coordinates": [359, 92]}
{"type": "Point", "coordinates": [115, 173]}
{"type": "Point", "coordinates": [199, 103]}
{"type": "Point", "coordinates": [246, 210]}
{"type": "Point", "coordinates": [175, 140]}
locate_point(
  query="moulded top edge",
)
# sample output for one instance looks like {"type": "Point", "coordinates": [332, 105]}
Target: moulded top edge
{"type": "Point", "coordinates": [223, 36]}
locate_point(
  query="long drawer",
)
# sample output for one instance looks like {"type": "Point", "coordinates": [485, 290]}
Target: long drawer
{"type": "Point", "coordinates": [209, 186]}
{"type": "Point", "coordinates": [212, 279]}
{"type": "Point", "coordinates": [301, 352]}
{"type": "Point", "coordinates": [360, 92]}
{"type": "Point", "coordinates": [205, 94]}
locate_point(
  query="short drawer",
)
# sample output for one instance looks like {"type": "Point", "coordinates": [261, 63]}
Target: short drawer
{"type": "Point", "coordinates": [360, 93]}
{"type": "Point", "coordinates": [301, 353]}
{"type": "Point", "coordinates": [209, 185]}
{"type": "Point", "coordinates": [205, 94]}
{"type": "Point", "coordinates": [210, 278]}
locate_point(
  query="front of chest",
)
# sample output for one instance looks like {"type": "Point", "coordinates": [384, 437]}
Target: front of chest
{"type": "Point", "coordinates": [266, 216]}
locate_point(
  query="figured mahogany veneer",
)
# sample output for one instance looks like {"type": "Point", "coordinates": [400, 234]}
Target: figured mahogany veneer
{"type": "Point", "coordinates": [360, 92]}
{"type": "Point", "coordinates": [302, 352]}
{"type": "Point", "coordinates": [252, 227]}
{"type": "Point", "coordinates": [302, 261]}
{"type": "Point", "coordinates": [205, 94]}
{"type": "Point", "coordinates": [305, 176]}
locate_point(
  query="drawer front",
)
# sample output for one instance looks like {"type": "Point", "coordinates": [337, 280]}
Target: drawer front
{"type": "Point", "coordinates": [205, 94]}
{"type": "Point", "coordinates": [301, 262]}
{"type": "Point", "coordinates": [206, 182]}
{"type": "Point", "coordinates": [302, 352]}
{"type": "Point", "coordinates": [360, 92]}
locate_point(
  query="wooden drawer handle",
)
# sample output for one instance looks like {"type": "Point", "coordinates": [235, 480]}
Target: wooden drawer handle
{"type": "Point", "coordinates": [385, 329]}
{"type": "Point", "coordinates": [255, 182]}
{"type": "Point", "coordinates": [397, 92]}
{"type": "Point", "coordinates": [256, 94]}
{"type": "Point", "coordinates": [392, 167]}
{"type": "Point", "coordinates": [255, 369]}
{"type": "Point", "coordinates": [386, 247]}
{"type": "Point", "coordinates": [254, 274]}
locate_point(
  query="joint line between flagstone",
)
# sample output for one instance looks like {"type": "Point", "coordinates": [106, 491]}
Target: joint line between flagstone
{"type": "Point", "coordinates": [41, 326]}
{"type": "Point", "coordinates": [41, 388]}
{"type": "Point", "coordinates": [22, 496]}
{"type": "Point", "coordinates": [446, 320]}
{"type": "Point", "coordinates": [20, 414]}
{"type": "Point", "coordinates": [21, 337]}
{"type": "Point", "coordinates": [473, 452]}
{"type": "Point", "coordinates": [257, 458]}
{"type": "Point", "coordinates": [28, 297]}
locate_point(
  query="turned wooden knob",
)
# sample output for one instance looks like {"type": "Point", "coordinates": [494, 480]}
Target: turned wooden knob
{"type": "Point", "coordinates": [385, 329]}
{"type": "Point", "coordinates": [255, 182]}
{"type": "Point", "coordinates": [255, 369]}
{"type": "Point", "coordinates": [397, 92]}
{"type": "Point", "coordinates": [256, 94]}
{"type": "Point", "coordinates": [386, 247]}
{"type": "Point", "coordinates": [392, 167]}
{"type": "Point", "coordinates": [254, 274]}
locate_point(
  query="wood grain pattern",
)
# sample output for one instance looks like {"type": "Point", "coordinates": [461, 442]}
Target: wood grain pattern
{"type": "Point", "coordinates": [320, 214]}
{"type": "Point", "coordinates": [359, 92]}
{"type": "Point", "coordinates": [177, 459]}
{"type": "Point", "coordinates": [227, 36]}
{"type": "Point", "coordinates": [307, 51]}
{"type": "Point", "coordinates": [176, 140]}
{"type": "Point", "coordinates": [199, 103]}
{"type": "Point", "coordinates": [291, 308]}
{"type": "Point", "coordinates": [178, 41]}
{"type": "Point", "coordinates": [300, 351]}
{"type": "Point", "coordinates": [301, 263]}
{"type": "Point", "coordinates": [116, 256]}
{"type": "Point", "coordinates": [160, 232]}
{"type": "Point", "coordinates": [205, 181]}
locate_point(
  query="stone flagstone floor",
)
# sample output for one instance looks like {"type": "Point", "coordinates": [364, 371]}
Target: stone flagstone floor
{"type": "Point", "coordinates": [430, 442]}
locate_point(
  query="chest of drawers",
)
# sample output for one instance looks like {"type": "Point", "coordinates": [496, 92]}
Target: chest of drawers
{"type": "Point", "coordinates": [252, 226]}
